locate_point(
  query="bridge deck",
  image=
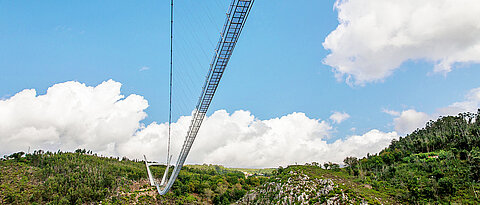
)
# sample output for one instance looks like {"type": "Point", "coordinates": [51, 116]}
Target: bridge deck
{"type": "Point", "coordinates": [235, 20]}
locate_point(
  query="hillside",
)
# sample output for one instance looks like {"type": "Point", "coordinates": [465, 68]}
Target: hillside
{"type": "Point", "coordinates": [439, 164]}
{"type": "Point", "coordinates": [82, 177]}
{"type": "Point", "coordinates": [309, 184]}
{"type": "Point", "coordinates": [77, 178]}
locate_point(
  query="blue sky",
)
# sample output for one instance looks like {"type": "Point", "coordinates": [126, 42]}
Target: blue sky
{"type": "Point", "coordinates": [277, 67]}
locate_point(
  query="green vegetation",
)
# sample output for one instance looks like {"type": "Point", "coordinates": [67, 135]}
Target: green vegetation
{"type": "Point", "coordinates": [345, 183]}
{"type": "Point", "coordinates": [310, 184]}
{"type": "Point", "coordinates": [83, 177]}
{"type": "Point", "coordinates": [437, 164]}
{"type": "Point", "coordinates": [221, 169]}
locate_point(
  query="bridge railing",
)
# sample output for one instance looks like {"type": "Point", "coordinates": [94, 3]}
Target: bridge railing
{"type": "Point", "coordinates": [234, 23]}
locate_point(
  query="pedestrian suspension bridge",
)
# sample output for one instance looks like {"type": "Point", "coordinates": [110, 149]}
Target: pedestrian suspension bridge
{"type": "Point", "coordinates": [235, 20]}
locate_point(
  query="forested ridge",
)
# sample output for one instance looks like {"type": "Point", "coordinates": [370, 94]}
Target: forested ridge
{"type": "Point", "coordinates": [437, 164]}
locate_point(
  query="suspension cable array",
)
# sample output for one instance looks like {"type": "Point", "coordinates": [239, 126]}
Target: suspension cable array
{"type": "Point", "coordinates": [235, 20]}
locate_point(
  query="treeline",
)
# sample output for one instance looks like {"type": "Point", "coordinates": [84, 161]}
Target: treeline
{"type": "Point", "coordinates": [438, 163]}
{"type": "Point", "coordinates": [461, 132]}
{"type": "Point", "coordinates": [69, 178]}
{"type": "Point", "coordinates": [83, 177]}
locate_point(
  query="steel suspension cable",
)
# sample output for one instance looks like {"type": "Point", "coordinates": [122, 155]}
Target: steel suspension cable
{"type": "Point", "coordinates": [235, 20]}
{"type": "Point", "coordinates": [171, 79]}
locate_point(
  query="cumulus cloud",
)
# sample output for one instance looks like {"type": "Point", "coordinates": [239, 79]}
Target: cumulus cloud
{"type": "Point", "coordinates": [72, 115]}
{"type": "Point", "coordinates": [359, 145]}
{"type": "Point", "coordinates": [374, 37]}
{"type": "Point", "coordinates": [68, 116]}
{"type": "Point", "coordinates": [239, 139]}
{"type": "Point", "coordinates": [409, 120]}
{"type": "Point", "coordinates": [338, 117]}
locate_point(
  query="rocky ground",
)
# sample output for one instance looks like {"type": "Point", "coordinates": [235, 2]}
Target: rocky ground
{"type": "Point", "coordinates": [299, 188]}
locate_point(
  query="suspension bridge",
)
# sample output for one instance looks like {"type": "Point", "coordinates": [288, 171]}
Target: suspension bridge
{"type": "Point", "coordinates": [237, 14]}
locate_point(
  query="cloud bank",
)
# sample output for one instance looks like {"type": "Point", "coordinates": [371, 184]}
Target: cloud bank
{"type": "Point", "coordinates": [374, 37]}
{"type": "Point", "coordinates": [73, 115]}
{"type": "Point", "coordinates": [68, 116]}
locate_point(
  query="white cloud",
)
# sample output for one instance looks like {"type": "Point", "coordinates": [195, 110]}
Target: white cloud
{"type": "Point", "coordinates": [359, 145]}
{"type": "Point", "coordinates": [338, 117]}
{"type": "Point", "coordinates": [72, 115]}
{"type": "Point", "coordinates": [470, 104]}
{"type": "Point", "coordinates": [144, 68]}
{"type": "Point", "coordinates": [391, 112]}
{"type": "Point", "coordinates": [68, 116]}
{"type": "Point", "coordinates": [241, 140]}
{"type": "Point", "coordinates": [409, 120]}
{"type": "Point", "coordinates": [374, 37]}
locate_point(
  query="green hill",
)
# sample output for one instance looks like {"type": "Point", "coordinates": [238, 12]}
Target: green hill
{"type": "Point", "coordinates": [79, 178]}
{"type": "Point", "coordinates": [439, 164]}
{"type": "Point", "coordinates": [309, 184]}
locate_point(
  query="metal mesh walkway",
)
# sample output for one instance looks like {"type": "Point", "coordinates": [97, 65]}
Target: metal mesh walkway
{"type": "Point", "coordinates": [236, 16]}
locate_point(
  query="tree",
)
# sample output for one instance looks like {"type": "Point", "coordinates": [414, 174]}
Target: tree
{"type": "Point", "coordinates": [280, 170]}
{"type": "Point", "coordinates": [16, 156]}
{"type": "Point", "coordinates": [351, 163]}
{"type": "Point", "coordinates": [334, 166]}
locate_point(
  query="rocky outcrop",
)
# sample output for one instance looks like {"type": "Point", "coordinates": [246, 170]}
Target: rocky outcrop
{"type": "Point", "coordinates": [298, 188]}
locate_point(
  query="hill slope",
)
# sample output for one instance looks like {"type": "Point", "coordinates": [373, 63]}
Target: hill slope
{"type": "Point", "coordinates": [77, 178]}
{"type": "Point", "coordinates": [307, 184]}
{"type": "Point", "coordinates": [439, 164]}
